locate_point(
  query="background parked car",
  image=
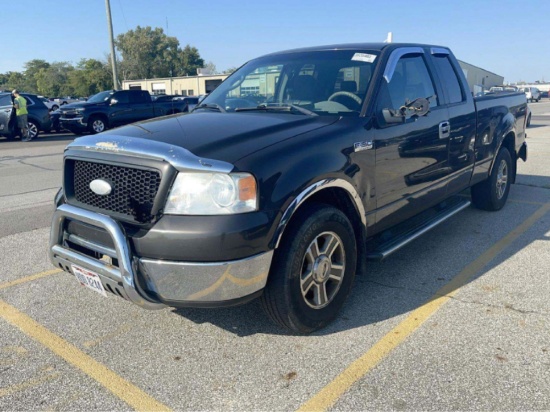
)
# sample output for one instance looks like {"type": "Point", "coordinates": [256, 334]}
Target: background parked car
{"type": "Point", "coordinates": [50, 104]}
{"type": "Point", "coordinates": [190, 102]}
{"type": "Point", "coordinates": [39, 116]}
{"type": "Point", "coordinates": [65, 100]}
{"type": "Point", "coordinates": [543, 95]}
{"type": "Point", "coordinates": [532, 93]}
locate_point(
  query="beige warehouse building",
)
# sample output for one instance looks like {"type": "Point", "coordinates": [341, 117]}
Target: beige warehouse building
{"type": "Point", "coordinates": [185, 86]}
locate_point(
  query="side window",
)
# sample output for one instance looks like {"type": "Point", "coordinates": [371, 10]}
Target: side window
{"type": "Point", "coordinates": [121, 98]}
{"type": "Point", "coordinates": [5, 100]}
{"type": "Point", "coordinates": [135, 97]}
{"type": "Point", "coordinates": [410, 81]}
{"type": "Point", "coordinates": [449, 78]}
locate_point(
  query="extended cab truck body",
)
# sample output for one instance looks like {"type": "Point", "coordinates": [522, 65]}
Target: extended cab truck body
{"type": "Point", "coordinates": [112, 108]}
{"type": "Point", "coordinates": [285, 180]}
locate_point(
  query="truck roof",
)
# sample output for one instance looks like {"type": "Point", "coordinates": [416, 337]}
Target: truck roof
{"type": "Point", "coordinates": [354, 46]}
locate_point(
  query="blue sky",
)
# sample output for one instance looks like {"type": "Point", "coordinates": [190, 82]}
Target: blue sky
{"type": "Point", "coordinates": [507, 37]}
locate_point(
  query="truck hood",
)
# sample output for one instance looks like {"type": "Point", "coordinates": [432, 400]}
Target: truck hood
{"type": "Point", "coordinates": [72, 106]}
{"type": "Point", "coordinates": [222, 136]}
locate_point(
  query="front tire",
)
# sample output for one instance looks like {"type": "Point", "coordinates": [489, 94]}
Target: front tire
{"type": "Point", "coordinates": [492, 193]}
{"type": "Point", "coordinates": [96, 125]}
{"type": "Point", "coordinates": [313, 270]}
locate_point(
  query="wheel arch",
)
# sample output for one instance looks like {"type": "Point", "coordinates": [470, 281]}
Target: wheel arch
{"type": "Point", "coordinates": [338, 193]}
{"type": "Point", "coordinates": [509, 142]}
{"type": "Point", "coordinates": [101, 116]}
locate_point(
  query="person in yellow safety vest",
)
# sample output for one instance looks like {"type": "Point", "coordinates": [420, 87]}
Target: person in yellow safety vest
{"type": "Point", "coordinates": [20, 105]}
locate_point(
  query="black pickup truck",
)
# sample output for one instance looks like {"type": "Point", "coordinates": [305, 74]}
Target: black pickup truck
{"type": "Point", "coordinates": [297, 169]}
{"type": "Point", "coordinates": [112, 108]}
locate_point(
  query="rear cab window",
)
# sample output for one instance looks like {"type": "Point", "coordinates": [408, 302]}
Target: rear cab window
{"type": "Point", "coordinates": [448, 76]}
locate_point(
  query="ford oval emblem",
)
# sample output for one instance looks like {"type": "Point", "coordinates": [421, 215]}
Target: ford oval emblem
{"type": "Point", "coordinates": [100, 187]}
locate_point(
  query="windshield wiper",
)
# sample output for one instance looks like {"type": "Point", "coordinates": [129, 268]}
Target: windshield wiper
{"type": "Point", "coordinates": [213, 106]}
{"type": "Point", "coordinates": [286, 107]}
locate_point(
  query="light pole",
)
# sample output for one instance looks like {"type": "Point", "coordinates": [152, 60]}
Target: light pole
{"type": "Point", "coordinates": [111, 39]}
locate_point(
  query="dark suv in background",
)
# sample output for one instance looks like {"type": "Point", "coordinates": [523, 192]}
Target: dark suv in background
{"type": "Point", "coordinates": [39, 116]}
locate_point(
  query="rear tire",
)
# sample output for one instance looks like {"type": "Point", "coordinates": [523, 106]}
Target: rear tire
{"type": "Point", "coordinates": [32, 129]}
{"type": "Point", "coordinates": [492, 193]}
{"type": "Point", "coordinates": [312, 271]}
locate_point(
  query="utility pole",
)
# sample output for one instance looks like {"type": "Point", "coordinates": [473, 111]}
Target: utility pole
{"type": "Point", "coordinates": [112, 41]}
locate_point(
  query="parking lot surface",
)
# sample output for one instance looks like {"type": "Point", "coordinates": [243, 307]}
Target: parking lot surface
{"type": "Point", "coordinates": [458, 319]}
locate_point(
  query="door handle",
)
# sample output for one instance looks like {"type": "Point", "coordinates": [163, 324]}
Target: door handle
{"type": "Point", "coordinates": [444, 130]}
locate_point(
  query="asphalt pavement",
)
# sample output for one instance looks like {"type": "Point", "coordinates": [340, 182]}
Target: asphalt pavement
{"type": "Point", "coordinates": [457, 320]}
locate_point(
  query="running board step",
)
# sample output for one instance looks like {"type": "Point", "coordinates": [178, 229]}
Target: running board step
{"type": "Point", "coordinates": [385, 248]}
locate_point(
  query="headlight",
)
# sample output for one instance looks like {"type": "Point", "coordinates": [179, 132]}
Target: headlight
{"type": "Point", "coordinates": [212, 194]}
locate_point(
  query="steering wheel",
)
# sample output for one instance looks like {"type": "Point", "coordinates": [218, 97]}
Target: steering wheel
{"type": "Point", "coordinates": [347, 94]}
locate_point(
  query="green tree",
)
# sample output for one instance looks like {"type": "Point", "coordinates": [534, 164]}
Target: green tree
{"type": "Point", "coordinates": [53, 81]}
{"type": "Point", "coordinates": [32, 68]}
{"type": "Point", "coordinates": [147, 53]}
{"type": "Point", "coordinates": [190, 61]}
{"type": "Point", "coordinates": [90, 77]}
{"type": "Point", "coordinates": [16, 80]}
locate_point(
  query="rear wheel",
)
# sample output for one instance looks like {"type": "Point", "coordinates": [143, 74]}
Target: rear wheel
{"type": "Point", "coordinates": [313, 270]}
{"type": "Point", "coordinates": [33, 129]}
{"type": "Point", "coordinates": [492, 193]}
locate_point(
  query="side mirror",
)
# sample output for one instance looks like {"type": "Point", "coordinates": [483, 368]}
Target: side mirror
{"type": "Point", "coordinates": [393, 116]}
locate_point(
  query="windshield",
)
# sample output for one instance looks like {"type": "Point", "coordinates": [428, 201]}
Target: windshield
{"type": "Point", "coordinates": [324, 82]}
{"type": "Point", "coordinates": [101, 97]}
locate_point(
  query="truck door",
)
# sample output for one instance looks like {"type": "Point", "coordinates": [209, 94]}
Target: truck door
{"type": "Point", "coordinates": [411, 151]}
{"type": "Point", "coordinates": [462, 118]}
{"type": "Point", "coordinates": [142, 106]}
{"type": "Point", "coordinates": [121, 111]}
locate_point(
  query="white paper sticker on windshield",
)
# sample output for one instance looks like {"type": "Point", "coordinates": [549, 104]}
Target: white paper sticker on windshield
{"type": "Point", "coordinates": [364, 57]}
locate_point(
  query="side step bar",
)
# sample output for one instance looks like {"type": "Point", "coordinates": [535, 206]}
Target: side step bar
{"type": "Point", "coordinates": [386, 248]}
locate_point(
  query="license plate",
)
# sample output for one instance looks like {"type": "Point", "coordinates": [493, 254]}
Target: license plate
{"type": "Point", "coordinates": [89, 279]}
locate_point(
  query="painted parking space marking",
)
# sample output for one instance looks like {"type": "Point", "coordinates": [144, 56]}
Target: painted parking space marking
{"type": "Point", "coordinates": [30, 278]}
{"type": "Point", "coordinates": [31, 383]}
{"type": "Point", "coordinates": [330, 394]}
{"type": "Point", "coordinates": [121, 388]}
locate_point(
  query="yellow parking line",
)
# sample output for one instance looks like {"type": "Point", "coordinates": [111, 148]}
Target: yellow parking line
{"type": "Point", "coordinates": [120, 387]}
{"type": "Point", "coordinates": [29, 278]}
{"type": "Point", "coordinates": [28, 384]}
{"type": "Point", "coordinates": [328, 396]}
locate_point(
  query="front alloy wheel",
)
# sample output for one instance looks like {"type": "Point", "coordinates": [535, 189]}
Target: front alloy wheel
{"type": "Point", "coordinates": [312, 270]}
{"type": "Point", "coordinates": [322, 270]}
{"type": "Point", "coordinates": [97, 125]}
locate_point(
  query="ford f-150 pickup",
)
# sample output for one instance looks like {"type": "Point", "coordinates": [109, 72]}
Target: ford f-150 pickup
{"type": "Point", "coordinates": [280, 184]}
{"type": "Point", "coordinates": [114, 108]}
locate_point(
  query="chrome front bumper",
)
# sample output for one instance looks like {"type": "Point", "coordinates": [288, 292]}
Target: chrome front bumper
{"type": "Point", "coordinates": [154, 284]}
